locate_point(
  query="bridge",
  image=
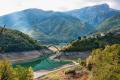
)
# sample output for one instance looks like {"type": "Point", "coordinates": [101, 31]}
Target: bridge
{"type": "Point", "coordinates": [58, 50]}
{"type": "Point", "coordinates": [57, 53]}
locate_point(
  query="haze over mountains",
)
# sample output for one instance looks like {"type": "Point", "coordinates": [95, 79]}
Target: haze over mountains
{"type": "Point", "coordinates": [112, 23]}
{"type": "Point", "coordinates": [59, 27]}
{"type": "Point", "coordinates": [94, 15]}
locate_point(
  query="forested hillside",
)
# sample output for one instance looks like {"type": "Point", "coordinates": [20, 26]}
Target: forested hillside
{"type": "Point", "coordinates": [105, 63]}
{"type": "Point", "coordinates": [60, 28]}
{"type": "Point", "coordinates": [13, 40]}
{"type": "Point", "coordinates": [98, 40]}
{"type": "Point", "coordinates": [49, 27]}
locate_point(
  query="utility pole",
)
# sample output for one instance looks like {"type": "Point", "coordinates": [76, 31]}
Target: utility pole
{"type": "Point", "coordinates": [2, 30]}
{"type": "Point", "coordinates": [1, 39]}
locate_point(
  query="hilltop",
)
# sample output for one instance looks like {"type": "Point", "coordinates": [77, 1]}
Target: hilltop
{"type": "Point", "coordinates": [16, 41]}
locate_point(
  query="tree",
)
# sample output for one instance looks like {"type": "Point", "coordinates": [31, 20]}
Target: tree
{"type": "Point", "coordinates": [24, 73]}
{"type": "Point", "coordinates": [6, 71]}
{"type": "Point", "coordinates": [79, 61]}
{"type": "Point", "coordinates": [20, 73]}
{"type": "Point", "coordinates": [79, 38]}
{"type": "Point", "coordinates": [105, 63]}
{"type": "Point", "coordinates": [29, 73]}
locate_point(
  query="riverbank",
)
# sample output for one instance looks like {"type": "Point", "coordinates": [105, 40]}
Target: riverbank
{"type": "Point", "coordinates": [15, 57]}
{"type": "Point", "coordinates": [40, 73]}
{"type": "Point", "coordinates": [65, 57]}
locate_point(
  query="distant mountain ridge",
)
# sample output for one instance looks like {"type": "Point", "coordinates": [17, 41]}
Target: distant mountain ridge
{"type": "Point", "coordinates": [23, 20]}
{"type": "Point", "coordinates": [94, 15]}
{"type": "Point", "coordinates": [62, 28]}
{"type": "Point", "coordinates": [58, 27]}
{"type": "Point", "coordinates": [112, 23]}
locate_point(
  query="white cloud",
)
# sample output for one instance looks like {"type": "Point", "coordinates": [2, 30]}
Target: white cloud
{"type": "Point", "coordinates": [8, 6]}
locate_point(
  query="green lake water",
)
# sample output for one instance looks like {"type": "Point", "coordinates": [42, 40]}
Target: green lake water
{"type": "Point", "coordinates": [42, 63]}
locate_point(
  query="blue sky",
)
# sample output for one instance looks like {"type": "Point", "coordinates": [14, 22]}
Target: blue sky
{"type": "Point", "coordinates": [8, 6]}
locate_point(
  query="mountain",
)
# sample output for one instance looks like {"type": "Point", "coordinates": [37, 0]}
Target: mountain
{"type": "Point", "coordinates": [16, 41]}
{"type": "Point", "coordinates": [58, 27]}
{"type": "Point", "coordinates": [93, 15]}
{"type": "Point", "coordinates": [46, 26]}
{"type": "Point", "coordinates": [24, 20]}
{"type": "Point", "coordinates": [98, 40]}
{"type": "Point", "coordinates": [110, 24]}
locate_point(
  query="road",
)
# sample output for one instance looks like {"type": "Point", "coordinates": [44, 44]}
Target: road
{"type": "Point", "coordinates": [40, 73]}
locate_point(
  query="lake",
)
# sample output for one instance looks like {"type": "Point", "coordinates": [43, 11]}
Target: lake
{"type": "Point", "coordinates": [42, 63]}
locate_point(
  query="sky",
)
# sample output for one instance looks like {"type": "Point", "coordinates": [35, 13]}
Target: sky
{"type": "Point", "coordinates": [9, 6]}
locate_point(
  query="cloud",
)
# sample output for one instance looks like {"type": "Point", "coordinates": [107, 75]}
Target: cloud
{"type": "Point", "coordinates": [8, 6]}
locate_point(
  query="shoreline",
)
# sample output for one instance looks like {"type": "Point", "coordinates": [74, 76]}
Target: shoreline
{"type": "Point", "coordinates": [40, 73]}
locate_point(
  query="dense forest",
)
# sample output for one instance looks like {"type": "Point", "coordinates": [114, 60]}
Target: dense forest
{"type": "Point", "coordinates": [13, 40]}
{"type": "Point", "coordinates": [97, 40]}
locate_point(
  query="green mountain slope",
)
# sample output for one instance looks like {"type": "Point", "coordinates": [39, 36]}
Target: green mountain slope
{"type": "Point", "coordinates": [91, 42]}
{"type": "Point", "coordinates": [13, 40]}
{"type": "Point", "coordinates": [110, 24]}
{"type": "Point", "coordinates": [46, 26]}
{"type": "Point", "coordinates": [60, 28]}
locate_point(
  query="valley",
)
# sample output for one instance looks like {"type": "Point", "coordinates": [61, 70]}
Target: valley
{"type": "Point", "coordinates": [38, 60]}
{"type": "Point", "coordinates": [80, 44]}
{"type": "Point", "coordinates": [43, 65]}
{"type": "Point", "coordinates": [49, 27]}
